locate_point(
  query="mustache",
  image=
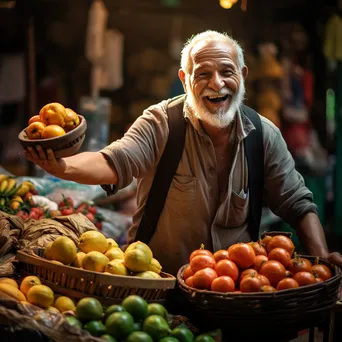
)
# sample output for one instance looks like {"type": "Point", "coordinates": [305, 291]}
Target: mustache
{"type": "Point", "coordinates": [221, 92]}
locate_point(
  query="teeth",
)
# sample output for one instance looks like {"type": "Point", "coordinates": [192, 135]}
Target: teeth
{"type": "Point", "coordinates": [217, 97]}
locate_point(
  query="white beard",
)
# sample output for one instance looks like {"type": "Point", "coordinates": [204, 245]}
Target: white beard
{"type": "Point", "coordinates": [221, 119]}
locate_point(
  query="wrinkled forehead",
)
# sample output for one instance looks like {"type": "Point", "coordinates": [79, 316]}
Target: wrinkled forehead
{"type": "Point", "coordinates": [212, 50]}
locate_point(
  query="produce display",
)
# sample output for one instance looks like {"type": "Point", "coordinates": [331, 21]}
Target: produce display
{"type": "Point", "coordinates": [53, 120]}
{"type": "Point", "coordinates": [267, 265]}
{"type": "Point", "coordinates": [97, 253]}
{"type": "Point", "coordinates": [133, 320]}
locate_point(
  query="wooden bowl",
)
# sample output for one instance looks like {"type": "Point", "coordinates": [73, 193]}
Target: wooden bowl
{"type": "Point", "coordinates": [64, 145]}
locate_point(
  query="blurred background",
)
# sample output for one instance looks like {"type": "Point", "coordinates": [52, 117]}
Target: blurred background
{"type": "Point", "coordinates": [109, 60]}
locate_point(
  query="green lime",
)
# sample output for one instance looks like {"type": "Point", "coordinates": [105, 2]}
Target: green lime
{"type": "Point", "coordinates": [137, 326]}
{"type": "Point", "coordinates": [183, 334]}
{"type": "Point", "coordinates": [114, 308]}
{"type": "Point", "coordinates": [156, 326]}
{"type": "Point", "coordinates": [204, 338]}
{"type": "Point", "coordinates": [136, 306]}
{"type": "Point", "coordinates": [73, 321]}
{"type": "Point", "coordinates": [139, 336]}
{"type": "Point", "coordinates": [109, 338]}
{"type": "Point", "coordinates": [168, 339]}
{"type": "Point", "coordinates": [120, 324]}
{"type": "Point", "coordinates": [89, 309]}
{"type": "Point", "coordinates": [96, 328]}
{"type": "Point", "coordinates": [157, 309]}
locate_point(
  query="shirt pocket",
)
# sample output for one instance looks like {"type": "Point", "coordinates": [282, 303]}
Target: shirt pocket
{"type": "Point", "coordinates": [238, 211]}
{"type": "Point", "coordinates": [181, 196]}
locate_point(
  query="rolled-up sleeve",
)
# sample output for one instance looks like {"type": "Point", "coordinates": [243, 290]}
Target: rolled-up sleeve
{"type": "Point", "coordinates": [140, 148]}
{"type": "Point", "coordinates": [285, 190]}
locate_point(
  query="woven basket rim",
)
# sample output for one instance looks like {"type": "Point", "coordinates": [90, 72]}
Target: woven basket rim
{"type": "Point", "coordinates": [264, 295]}
{"type": "Point", "coordinates": [168, 281]}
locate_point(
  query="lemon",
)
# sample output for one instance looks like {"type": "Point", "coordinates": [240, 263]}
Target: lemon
{"type": "Point", "coordinates": [156, 326]}
{"type": "Point", "coordinates": [120, 325]}
{"type": "Point", "coordinates": [63, 249]}
{"type": "Point", "coordinates": [73, 321]}
{"type": "Point", "coordinates": [155, 266]}
{"type": "Point", "coordinates": [29, 282]}
{"type": "Point", "coordinates": [95, 261]}
{"type": "Point", "coordinates": [137, 260]}
{"type": "Point", "coordinates": [93, 240]}
{"type": "Point", "coordinates": [95, 328]}
{"type": "Point", "coordinates": [53, 309]}
{"type": "Point", "coordinates": [117, 267]}
{"type": "Point", "coordinates": [9, 281]}
{"type": "Point", "coordinates": [148, 275]}
{"type": "Point", "coordinates": [78, 261]}
{"type": "Point", "coordinates": [142, 246]}
{"type": "Point", "coordinates": [40, 295]}
{"type": "Point", "coordinates": [47, 251]}
{"type": "Point", "coordinates": [64, 303]}
{"type": "Point", "coordinates": [136, 306]}
{"type": "Point", "coordinates": [111, 243]}
{"type": "Point", "coordinates": [56, 262]}
{"type": "Point", "coordinates": [114, 253]}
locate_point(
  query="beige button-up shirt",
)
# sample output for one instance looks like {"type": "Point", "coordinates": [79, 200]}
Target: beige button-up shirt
{"type": "Point", "coordinates": [196, 211]}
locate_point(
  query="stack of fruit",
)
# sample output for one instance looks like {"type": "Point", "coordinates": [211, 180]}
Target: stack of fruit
{"type": "Point", "coordinates": [100, 254]}
{"type": "Point", "coordinates": [267, 265]}
{"type": "Point", "coordinates": [14, 195]}
{"type": "Point", "coordinates": [53, 120]}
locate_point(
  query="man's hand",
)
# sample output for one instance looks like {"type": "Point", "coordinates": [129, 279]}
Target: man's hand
{"type": "Point", "coordinates": [46, 160]}
{"type": "Point", "coordinates": [335, 259]}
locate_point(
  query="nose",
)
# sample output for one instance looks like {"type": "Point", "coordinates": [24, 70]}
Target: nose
{"type": "Point", "coordinates": [216, 82]}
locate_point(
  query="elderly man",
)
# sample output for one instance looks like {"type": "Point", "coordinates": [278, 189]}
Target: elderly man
{"type": "Point", "coordinates": [208, 199]}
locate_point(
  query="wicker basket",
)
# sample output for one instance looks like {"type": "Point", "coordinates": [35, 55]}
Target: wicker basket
{"type": "Point", "coordinates": [64, 145]}
{"type": "Point", "coordinates": [279, 313]}
{"type": "Point", "coordinates": [77, 283]}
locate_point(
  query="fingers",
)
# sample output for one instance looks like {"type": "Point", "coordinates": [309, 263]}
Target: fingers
{"type": "Point", "coordinates": [51, 156]}
{"type": "Point", "coordinates": [41, 153]}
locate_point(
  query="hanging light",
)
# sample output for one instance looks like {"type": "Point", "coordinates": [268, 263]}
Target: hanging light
{"type": "Point", "coordinates": [226, 4]}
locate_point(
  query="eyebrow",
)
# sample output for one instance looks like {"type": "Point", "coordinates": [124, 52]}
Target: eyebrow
{"type": "Point", "coordinates": [223, 64]}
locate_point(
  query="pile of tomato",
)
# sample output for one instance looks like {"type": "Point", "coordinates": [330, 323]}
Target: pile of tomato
{"type": "Point", "coordinates": [267, 265]}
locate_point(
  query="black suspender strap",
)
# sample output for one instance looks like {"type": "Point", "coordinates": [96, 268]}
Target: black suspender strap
{"type": "Point", "coordinates": [165, 171]}
{"type": "Point", "coordinates": [254, 150]}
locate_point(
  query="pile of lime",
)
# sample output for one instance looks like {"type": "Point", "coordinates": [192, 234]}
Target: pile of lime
{"type": "Point", "coordinates": [134, 320]}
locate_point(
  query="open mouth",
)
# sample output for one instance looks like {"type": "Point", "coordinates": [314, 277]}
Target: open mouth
{"type": "Point", "coordinates": [217, 99]}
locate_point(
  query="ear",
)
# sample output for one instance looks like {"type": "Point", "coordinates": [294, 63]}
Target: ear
{"type": "Point", "coordinates": [244, 72]}
{"type": "Point", "coordinates": [181, 75]}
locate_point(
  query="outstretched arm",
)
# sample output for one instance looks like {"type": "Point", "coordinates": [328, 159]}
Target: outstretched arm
{"type": "Point", "coordinates": [87, 168]}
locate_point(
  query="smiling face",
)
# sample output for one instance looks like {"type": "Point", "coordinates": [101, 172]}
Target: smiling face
{"type": "Point", "coordinates": [215, 84]}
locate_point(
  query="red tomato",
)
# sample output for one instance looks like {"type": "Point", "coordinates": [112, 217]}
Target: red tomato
{"type": "Point", "coordinates": [98, 225]}
{"type": "Point", "coordinates": [221, 255]}
{"type": "Point", "coordinates": [92, 209]}
{"type": "Point", "coordinates": [266, 240]}
{"type": "Point", "coordinates": [304, 278]}
{"type": "Point", "coordinates": [259, 260]}
{"type": "Point", "coordinates": [23, 214]}
{"type": "Point", "coordinates": [300, 265]}
{"type": "Point", "coordinates": [250, 284]}
{"type": "Point", "coordinates": [199, 262]}
{"type": "Point", "coordinates": [319, 280]}
{"type": "Point", "coordinates": [66, 202]}
{"type": "Point", "coordinates": [248, 272]}
{"type": "Point", "coordinates": [66, 211]}
{"type": "Point", "coordinates": [187, 272]}
{"type": "Point", "coordinates": [242, 254]}
{"type": "Point", "coordinates": [223, 284]}
{"type": "Point", "coordinates": [90, 217]}
{"type": "Point", "coordinates": [263, 280]}
{"type": "Point", "coordinates": [202, 279]}
{"type": "Point", "coordinates": [259, 249]}
{"type": "Point", "coordinates": [281, 241]}
{"type": "Point", "coordinates": [190, 281]}
{"type": "Point", "coordinates": [227, 268]}
{"type": "Point", "coordinates": [287, 283]}
{"type": "Point", "coordinates": [281, 255]}
{"type": "Point", "coordinates": [267, 288]}
{"type": "Point", "coordinates": [321, 271]}
{"type": "Point", "coordinates": [274, 271]}
{"type": "Point", "coordinates": [200, 252]}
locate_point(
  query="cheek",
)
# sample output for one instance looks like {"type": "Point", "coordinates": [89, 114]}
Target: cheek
{"type": "Point", "coordinates": [233, 83]}
{"type": "Point", "coordinates": [199, 87]}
